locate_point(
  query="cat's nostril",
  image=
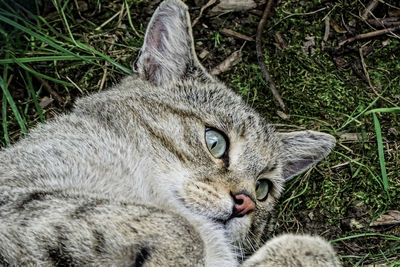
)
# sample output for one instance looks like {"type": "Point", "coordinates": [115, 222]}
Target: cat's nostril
{"type": "Point", "coordinates": [243, 205]}
{"type": "Point", "coordinates": [238, 201]}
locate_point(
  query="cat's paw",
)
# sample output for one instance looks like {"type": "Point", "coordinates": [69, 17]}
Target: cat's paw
{"type": "Point", "coordinates": [294, 250]}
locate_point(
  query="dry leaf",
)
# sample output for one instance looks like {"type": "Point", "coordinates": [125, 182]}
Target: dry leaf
{"type": "Point", "coordinates": [392, 217]}
{"type": "Point", "coordinates": [336, 27]}
{"type": "Point", "coordinates": [45, 102]}
{"type": "Point", "coordinates": [282, 115]}
{"type": "Point", "coordinates": [234, 5]}
{"type": "Point", "coordinates": [203, 54]}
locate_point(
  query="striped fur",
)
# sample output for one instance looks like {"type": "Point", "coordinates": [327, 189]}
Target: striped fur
{"type": "Point", "coordinates": [126, 178]}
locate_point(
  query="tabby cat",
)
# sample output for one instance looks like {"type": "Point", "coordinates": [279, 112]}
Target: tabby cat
{"type": "Point", "coordinates": [168, 168]}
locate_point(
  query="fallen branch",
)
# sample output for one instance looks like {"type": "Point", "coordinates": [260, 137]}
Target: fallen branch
{"type": "Point", "coordinates": [384, 22]}
{"type": "Point", "coordinates": [209, 3]}
{"type": "Point", "coordinates": [228, 63]}
{"type": "Point", "coordinates": [369, 35]}
{"type": "Point", "coordinates": [326, 33]}
{"type": "Point", "coordinates": [237, 35]}
{"type": "Point", "coordinates": [256, 12]}
{"type": "Point", "coordinates": [260, 56]}
{"type": "Point", "coordinates": [370, 7]}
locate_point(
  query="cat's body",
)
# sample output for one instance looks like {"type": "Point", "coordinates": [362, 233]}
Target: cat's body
{"type": "Point", "coordinates": [129, 177]}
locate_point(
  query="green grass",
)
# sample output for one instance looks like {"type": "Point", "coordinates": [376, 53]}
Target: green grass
{"type": "Point", "coordinates": [359, 181]}
{"type": "Point", "coordinates": [51, 47]}
{"type": "Point", "coordinates": [320, 95]}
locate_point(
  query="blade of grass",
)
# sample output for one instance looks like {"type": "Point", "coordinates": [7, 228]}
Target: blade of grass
{"type": "Point", "coordinates": [128, 12]}
{"type": "Point", "coordinates": [381, 154]}
{"type": "Point", "coordinates": [34, 96]}
{"type": "Point", "coordinates": [53, 44]}
{"type": "Point", "coordinates": [13, 106]}
{"type": "Point", "coordinates": [296, 196]}
{"type": "Point", "coordinates": [388, 237]}
{"type": "Point", "coordinates": [381, 110]}
{"type": "Point", "coordinates": [43, 58]}
{"type": "Point", "coordinates": [351, 119]}
{"type": "Point", "coordinates": [64, 18]}
{"type": "Point", "coordinates": [4, 119]}
{"type": "Point", "coordinates": [10, 100]}
{"type": "Point", "coordinates": [87, 48]}
{"type": "Point", "coordinates": [374, 175]}
{"type": "Point", "coordinates": [22, 65]}
{"type": "Point", "coordinates": [38, 36]}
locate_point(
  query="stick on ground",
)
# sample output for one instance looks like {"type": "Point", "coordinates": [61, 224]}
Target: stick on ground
{"type": "Point", "coordinates": [369, 35]}
{"type": "Point", "coordinates": [370, 7]}
{"type": "Point", "coordinates": [260, 56]}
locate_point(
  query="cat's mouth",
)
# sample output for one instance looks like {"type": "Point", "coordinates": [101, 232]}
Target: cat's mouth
{"type": "Point", "coordinates": [224, 221]}
{"type": "Point", "coordinates": [221, 221]}
{"type": "Point", "coordinates": [236, 227]}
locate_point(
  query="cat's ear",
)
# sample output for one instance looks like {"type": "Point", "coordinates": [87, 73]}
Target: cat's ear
{"type": "Point", "coordinates": [168, 51]}
{"type": "Point", "coordinates": [303, 149]}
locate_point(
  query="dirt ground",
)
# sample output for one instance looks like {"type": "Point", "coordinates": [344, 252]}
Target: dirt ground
{"type": "Point", "coordinates": [330, 83]}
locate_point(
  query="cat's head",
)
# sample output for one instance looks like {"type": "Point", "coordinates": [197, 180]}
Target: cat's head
{"type": "Point", "coordinates": [235, 164]}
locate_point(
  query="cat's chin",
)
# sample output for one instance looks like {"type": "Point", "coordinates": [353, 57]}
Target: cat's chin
{"type": "Point", "coordinates": [237, 228]}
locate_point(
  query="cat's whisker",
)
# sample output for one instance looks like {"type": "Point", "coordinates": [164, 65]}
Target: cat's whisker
{"type": "Point", "coordinates": [250, 244]}
{"type": "Point", "coordinates": [169, 157]}
{"type": "Point", "coordinates": [241, 251]}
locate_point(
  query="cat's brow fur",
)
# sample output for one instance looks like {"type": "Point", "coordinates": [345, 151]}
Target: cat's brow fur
{"type": "Point", "coordinates": [126, 178]}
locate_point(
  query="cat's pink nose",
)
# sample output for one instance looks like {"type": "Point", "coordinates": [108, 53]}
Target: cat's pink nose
{"type": "Point", "coordinates": [243, 205]}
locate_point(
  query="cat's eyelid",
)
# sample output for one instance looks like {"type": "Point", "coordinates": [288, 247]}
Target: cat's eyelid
{"type": "Point", "coordinates": [225, 157]}
{"type": "Point", "coordinates": [268, 169]}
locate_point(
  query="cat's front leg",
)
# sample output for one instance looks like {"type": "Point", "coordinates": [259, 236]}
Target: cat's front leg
{"type": "Point", "coordinates": [291, 250]}
{"type": "Point", "coordinates": [52, 228]}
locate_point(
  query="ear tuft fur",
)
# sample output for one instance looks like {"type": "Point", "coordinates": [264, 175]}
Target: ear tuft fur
{"type": "Point", "coordinates": [303, 149]}
{"type": "Point", "coordinates": [168, 52]}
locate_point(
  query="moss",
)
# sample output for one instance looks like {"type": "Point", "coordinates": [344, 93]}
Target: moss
{"type": "Point", "coordinates": [324, 89]}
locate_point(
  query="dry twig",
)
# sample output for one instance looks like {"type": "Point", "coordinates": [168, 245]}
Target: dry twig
{"type": "Point", "coordinates": [209, 3]}
{"type": "Point", "coordinates": [280, 42]}
{"type": "Point", "coordinates": [364, 66]}
{"type": "Point", "coordinates": [384, 22]}
{"type": "Point", "coordinates": [108, 21]}
{"type": "Point", "coordinates": [256, 12]}
{"type": "Point", "coordinates": [76, 86]}
{"type": "Point", "coordinates": [228, 63]}
{"type": "Point", "coordinates": [260, 57]}
{"type": "Point", "coordinates": [370, 7]}
{"type": "Point", "coordinates": [237, 35]}
{"type": "Point", "coordinates": [369, 35]}
{"type": "Point", "coordinates": [326, 33]}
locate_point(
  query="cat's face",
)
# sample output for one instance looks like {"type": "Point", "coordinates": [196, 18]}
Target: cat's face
{"type": "Point", "coordinates": [229, 155]}
{"type": "Point", "coordinates": [234, 163]}
{"type": "Point", "coordinates": [235, 153]}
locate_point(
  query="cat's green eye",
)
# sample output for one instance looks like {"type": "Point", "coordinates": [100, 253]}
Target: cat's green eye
{"type": "Point", "coordinates": [262, 189]}
{"type": "Point", "coordinates": [216, 142]}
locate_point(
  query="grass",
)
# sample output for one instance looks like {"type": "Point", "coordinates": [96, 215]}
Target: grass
{"type": "Point", "coordinates": [359, 181]}
{"type": "Point", "coordinates": [80, 50]}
